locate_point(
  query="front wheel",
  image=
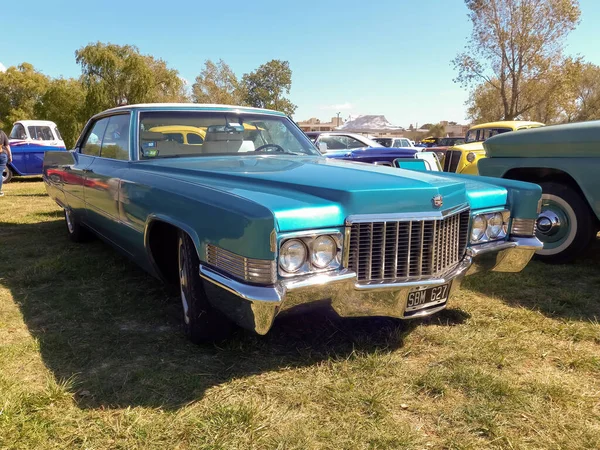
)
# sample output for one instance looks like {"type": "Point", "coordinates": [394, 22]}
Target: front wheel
{"type": "Point", "coordinates": [565, 224]}
{"type": "Point", "coordinates": [202, 322]}
{"type": "Point", "coordinates": [7, 175]}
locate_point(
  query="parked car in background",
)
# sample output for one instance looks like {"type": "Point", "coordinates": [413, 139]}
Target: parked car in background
{"type": "Point", "coordinates": [463, 158]}
{"type": "Point", "coordinates": [565, 161]}
{"type": "Point", "coordinates": [444, 144]}
{"type": "Point", "coordinates": [247, 235]}
{"type": "Point", "coordinates": [29, 140]}
{"type": "Point", "coordinates": [394, 141]}
{"type": "Point", "coordinates": [182, 134]}
{"type": "Point", "coordinates": [355, 147]}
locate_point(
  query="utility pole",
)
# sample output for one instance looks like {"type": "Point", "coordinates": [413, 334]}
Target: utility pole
{"type": "Point", "coordinates": [338, 119]}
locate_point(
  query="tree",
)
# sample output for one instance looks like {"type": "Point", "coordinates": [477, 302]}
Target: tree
{"type": "Point", "coordinates": [217, 84]}
{"type": "Point", "coordinates": [267, 85]}
{"type": "Point", "coordinates": [516, 50]}
{"type": "Point", "coordinates": [20, 89]}
{"type": "Point", "coordinates": [63, 103]}
{"type": "Point", "coordinates": [437, 130]}
{"type": "Point", "coordinates": [119, 74]}
{"type": "Point", "coordinates": [587, 93]}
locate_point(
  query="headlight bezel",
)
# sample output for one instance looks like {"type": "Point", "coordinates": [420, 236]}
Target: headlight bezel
{"type": "Point", "coordinates": [487, 236]}
{"type": "Point", "coordinates": [470, 157]}
{"type": "Point", "coordinates": [308, 238]}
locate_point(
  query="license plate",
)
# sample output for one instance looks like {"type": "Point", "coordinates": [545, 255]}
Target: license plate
{"type": "Point", "coordinates": [425, 297]}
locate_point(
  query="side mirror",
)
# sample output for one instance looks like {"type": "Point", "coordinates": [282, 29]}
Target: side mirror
{"type": "Point", "coordinates": [323, 147]}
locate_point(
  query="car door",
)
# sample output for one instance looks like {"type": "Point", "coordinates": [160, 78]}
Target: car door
{"type": "Point", "coordinates": [42, 138]}
{"type": "Point", "coordinates": [19, 145]}
{"type": "Point", "coordinates": [103, 177]}
{"type": "Point", "coordinates": [73, 174]}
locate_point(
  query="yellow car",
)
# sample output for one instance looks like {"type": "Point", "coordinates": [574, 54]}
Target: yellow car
{"type": "Point", "coordinates": [463, 158]}
{"type": "Point", "coordinates": [182, 134]}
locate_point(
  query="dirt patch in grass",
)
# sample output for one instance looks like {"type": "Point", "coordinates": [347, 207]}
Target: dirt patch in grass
{"type": "Point", "coordinates": [92, 356]}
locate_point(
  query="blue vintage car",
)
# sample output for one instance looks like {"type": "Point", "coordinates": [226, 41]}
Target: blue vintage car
{"type": "Point", "coordinates": [358, 148]}
{"type": "Point", "coordinates": [255, 221]}
{"type": "Point", "coordinates": [29, 141]}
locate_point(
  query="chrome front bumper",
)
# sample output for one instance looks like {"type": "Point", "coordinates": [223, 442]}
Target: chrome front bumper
{"type": "Point", "coordinates": [255, 307]}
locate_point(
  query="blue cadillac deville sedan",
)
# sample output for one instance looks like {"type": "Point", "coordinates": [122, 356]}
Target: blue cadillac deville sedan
{"type": "Point", "coordinates": [251, 219]}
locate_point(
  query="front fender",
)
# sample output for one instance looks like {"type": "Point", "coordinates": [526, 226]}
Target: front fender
{"type": "Point", "coordinates": [522, 197]}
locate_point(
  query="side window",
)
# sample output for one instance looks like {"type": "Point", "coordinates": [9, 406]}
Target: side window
{"type": "Point", "coordinates": [333, 142]}
{"type": "Point", "coordinates": [93, 140]}
{"type": "Point", "coordinates": [194, 139]}
{"type": "Point", "coordinates": [57, 133]}
{"type": "Point", "coordinates": [18, 132]}
{"type": "Point", "coordinates": [353, 143]}
{"type": "Point", "coordinates": [40, 133]}
{"type": "Point", "coordinates": [115, 144]}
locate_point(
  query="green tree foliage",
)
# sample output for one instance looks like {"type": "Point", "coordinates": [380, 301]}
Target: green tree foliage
{"type": "Point", "coordinates": [63, 103]}
{"type": "Point", "coordinates": [516, 51]}
{"type": "Point", "coordinates": [577, 99]}
{"type": "Point", "coordinates": [119, 74]}
{"type": "Point", "coordinates": [267, 86]}
{"type": "Point", "coordinates": [20, 89]}
{"type": "Point", "coordinates": [217, 84]}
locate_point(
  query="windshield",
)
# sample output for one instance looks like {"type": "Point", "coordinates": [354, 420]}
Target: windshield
{"type": "Point", "coordinates": [484, 134]}
{"type": "Point", "coordinates": [220, 133]}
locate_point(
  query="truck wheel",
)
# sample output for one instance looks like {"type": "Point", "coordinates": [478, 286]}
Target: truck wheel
{"type": "Point", "coordinates": [202, 322]}
{"type": "Point", "coordinates": [565, 225]}
{"type": "Point", "coordinates": [7, 175]}
{"type": "Point", "coordinates": [76, 231]}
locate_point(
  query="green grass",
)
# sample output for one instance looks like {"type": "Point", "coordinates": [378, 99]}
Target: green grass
{"type": "Point", "coordinates": [92, 356]}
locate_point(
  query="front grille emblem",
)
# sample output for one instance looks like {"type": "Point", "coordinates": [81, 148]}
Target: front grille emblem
{"type": "Point", "coordinates": [437, 201]}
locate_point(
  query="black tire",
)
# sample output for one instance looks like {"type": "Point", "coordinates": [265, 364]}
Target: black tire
{"type": "Point", "coordinates": [579, 227]}
{"type": "Point", "coordinates": [75, 230]}
{"type": "Point", "coordinates": [7, 175]}
{"type": "Point", "coordinates": [203, 323]}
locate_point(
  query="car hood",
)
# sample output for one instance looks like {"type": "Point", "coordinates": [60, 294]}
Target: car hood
{"type": "Point", "coordinates": [317, 192]}
{"type": "Point", "coordinates": [556, 141]}
{"type": "Point", "coordinates": [470, 147]}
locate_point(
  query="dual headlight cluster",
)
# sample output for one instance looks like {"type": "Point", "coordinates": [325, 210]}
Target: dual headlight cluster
{"type": "Point", "coordinates": [489, 226]}
{"type": "Point", "coordinates": [305, 254]}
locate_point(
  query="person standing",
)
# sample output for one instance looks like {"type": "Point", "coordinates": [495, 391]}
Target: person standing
{"type": "Point", "coordinates": [5, 156]}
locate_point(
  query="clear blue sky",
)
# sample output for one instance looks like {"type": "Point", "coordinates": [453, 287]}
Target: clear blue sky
{"type": "Point", "coordinates": [388, 57]}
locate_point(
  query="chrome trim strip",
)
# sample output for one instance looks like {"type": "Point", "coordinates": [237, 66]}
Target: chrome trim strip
{"type": "Point", "coordinates": [406, 217]}
{"type": "Point", "coordinates": [248, 269]}
{"type": "Point", "coordinates": [246, 291]}
{"type": "Point", "coordinates": [531, 243]}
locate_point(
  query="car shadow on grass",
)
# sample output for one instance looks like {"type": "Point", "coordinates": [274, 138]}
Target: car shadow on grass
{"type": "Point", "coordinates": [115, 331]}
{"type": "Point", "coordinates": [566, 291]}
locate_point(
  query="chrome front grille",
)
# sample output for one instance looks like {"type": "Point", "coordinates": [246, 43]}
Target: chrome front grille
{"type": "Point", "coordinates": [451, 160]}
{"type": "Point", "coordinates": [395, 251]}
{"type": "Point", "coordinates": [260, 271]}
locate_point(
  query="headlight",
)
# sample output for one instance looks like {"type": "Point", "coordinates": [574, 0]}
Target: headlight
{"type": "Point", "coordinates": [470, 157]}
{"type": "Point", "coordinates": [324, 250]}
{"type": "Point", "coordinates": [292, 255]}
{"type": "Point", "coordinates": [490, 226]}
{"type": "Point", "coordinates": [495, 225]}
{"type": "Point", "coordinates": [478, 228]}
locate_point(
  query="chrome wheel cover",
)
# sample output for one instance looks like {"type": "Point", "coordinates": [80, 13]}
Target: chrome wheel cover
{"type": "Point", "coordinates": [69, 219]}
{"type": "Point", "coordinates": [556, 225]}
